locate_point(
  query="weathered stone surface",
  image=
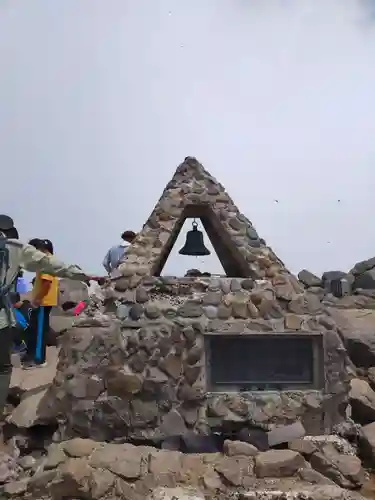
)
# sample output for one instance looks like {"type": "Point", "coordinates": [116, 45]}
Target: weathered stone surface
{"type": "Point", "coordinates": [286, 433]}
{"type": "Point", "coordinates": [178, 493]}
{"type": "Point", "coordinates": [366, 280]}
{"type": "Point", "coordinates": [345, 470]}
{"type": "Point", "coordinates": [15, 488]}
{"type": "Point", "coordinates": [26, 414]}
{"type": "Point", "coordinates": [278, 463]}
{"type": "Point", "coordinates": [309, 279]}
{"type": "Point", "coordinates": [357, 328]}
{"type": "Point", "coordinates": [237, 471]}
{"type": "Point", "coordinates": [235, 448]}
{"type": "Point", "coordinates": [362, 399]}
{"type": "Point", "coordinates": [79, 447]}
{"type": "Point", "coordinates": [367, 443]}
{"type": "Point", "coordinates": [9, 470]}
{"type": "Point", "coordinates": [303, 446]}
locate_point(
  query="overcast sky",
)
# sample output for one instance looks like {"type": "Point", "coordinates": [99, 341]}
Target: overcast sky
{"type": "Point", "coordinates": [100, 100]}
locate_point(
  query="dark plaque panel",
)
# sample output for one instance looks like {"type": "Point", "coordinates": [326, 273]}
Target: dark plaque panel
{"type": "Point", "coordinates": [260, 362]}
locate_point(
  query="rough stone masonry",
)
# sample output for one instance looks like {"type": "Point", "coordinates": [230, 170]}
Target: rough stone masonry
{"type": "Point", "coordinates": [136, 365]}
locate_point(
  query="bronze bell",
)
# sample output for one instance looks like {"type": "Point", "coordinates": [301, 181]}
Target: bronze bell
{"type": "Point", "coordinates": [194, 243]}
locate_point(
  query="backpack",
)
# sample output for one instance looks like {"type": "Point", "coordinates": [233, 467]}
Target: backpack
{"type": "Point", "coordinates": [5, 288]}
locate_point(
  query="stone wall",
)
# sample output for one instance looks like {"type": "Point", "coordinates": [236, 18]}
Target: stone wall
{"type": "Point", "coordinates": [135, 365]}
{"type": "Point", "coordinates": [143, 375]}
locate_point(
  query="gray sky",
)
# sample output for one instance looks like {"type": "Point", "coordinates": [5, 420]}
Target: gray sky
{"type": "Point", "coordinates": [101, 99]}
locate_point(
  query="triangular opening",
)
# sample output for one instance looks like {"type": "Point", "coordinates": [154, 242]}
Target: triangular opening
{"type": "Point", "coordinates": [194, 193]}
{"type": "Point", "coordinates": [179, 265]}
{"type": "Point", "coordinates": [231, 259]}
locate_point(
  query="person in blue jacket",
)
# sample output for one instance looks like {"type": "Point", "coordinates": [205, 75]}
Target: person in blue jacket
{"type": "Point", "coordinates": [21, 310]}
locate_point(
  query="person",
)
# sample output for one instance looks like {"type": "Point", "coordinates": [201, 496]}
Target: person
{"type": "Point", "coordinates": [22, 310]}
{"type": "Point", "coordinates": [44, 297]}
{"type": "Point", "coordinates": [15, 256]}
{"type": "Point", "coordinates": [21, 284]}
{"type": "Point", "coordinates": [114, 255]}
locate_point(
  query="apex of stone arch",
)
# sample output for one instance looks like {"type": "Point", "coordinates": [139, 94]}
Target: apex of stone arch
{"type": "Point", "coordinates": [194, 192]}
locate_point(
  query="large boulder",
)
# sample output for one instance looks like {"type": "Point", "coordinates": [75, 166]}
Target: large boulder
{"type": "Point", "coordinates": [345, 470]}
{"type": "Point", "coordinates": [365, 280]}
{"type": "Point", "coordinates": [363, 266]}
{"type": "Point", "coordinates": [357, 327]}
{"type": "Point", "coordinates": [309, 279]}
{"type": "Point", "coordinates": [362, 399]}
{"type": "Point", "coordinates": [367, 443]}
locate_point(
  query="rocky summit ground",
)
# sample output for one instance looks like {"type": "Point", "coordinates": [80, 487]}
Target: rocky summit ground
{"type": "Point", "coordinates": [35, 464]}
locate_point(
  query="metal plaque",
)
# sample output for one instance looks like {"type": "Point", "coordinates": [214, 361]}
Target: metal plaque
{"type": "Point", "coordinates": [257, 362]}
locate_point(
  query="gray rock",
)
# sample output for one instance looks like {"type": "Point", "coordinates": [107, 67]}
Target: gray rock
{"type": "Point", "coordinates": [136, 312]}
{"type": "Point", "coordinates": [178, 493]}
{"type": "Point", "coordinates": [173, 424]}
{"type": "Point", "coordinates": [303, 446]}
{"type": "Point", "coordinates": [152, 311]}
{"type": "Point", "coordinates": [210, 311]}
{"type": "Point", "coordinates": [309, 279]}
{"type": "Point", "coordinates": [345, 470]}
{"type": "Point", "coordinates": [367, 443]}
{"type": "Point", "coordinates": [141, 295]}
{"type": "Point", "coordinates": [190, 309]}
{"type": "Point", "coordinates": [278, 463]}
{"type": "Point", "coordinates": [247, 284]}
{"type": "Point", "coordinates": [357, 329]}
{"type": "Point", "coordinates": [122, 311]}
{"type": "Point", "coordinates": [9, 470]}
{"type": "Point", "coordinates": [285, 433]}
{"type": "Point", "coordinates": [365, 280]}
{"type": "Point", "coordinates": [252, 234]}
{"type": "Point", "coordinates": [362, 400]}
{"type": "Point", "coordinates": [363, 266]}
{"type": "Point", "coordinates": [27, 414]}
{"type": "Point", "coordinates": [235, 448]}
{"type": "Point", "coordinates": [212, 298]}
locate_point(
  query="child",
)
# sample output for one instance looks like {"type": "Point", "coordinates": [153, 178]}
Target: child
{"type": "Point", "coordinates": [44, 297]}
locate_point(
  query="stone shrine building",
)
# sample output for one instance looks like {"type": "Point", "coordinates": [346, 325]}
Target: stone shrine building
{"type": "Point", "coordinates": [164, 355]}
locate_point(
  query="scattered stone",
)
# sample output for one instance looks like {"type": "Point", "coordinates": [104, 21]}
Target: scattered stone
{"type": "Point", "coordinates": [175, 494]}
{"type": "Point", "coordinates": [345, 470]}
{"type": "Point", "coordinates": [15, 488]}
{"type": "Point", "coordinates": [305, 447]}
{"type": "Point", "coordinates": [362, 400]}
{"type": "Point", "coordinates": [357, 328]}
{"type": "Point", "coordinates": [234, 448]}
{"type": "Point", "coordinates": [79, 447]}
{"type": "Point", "coordinates": [309, 279]}
{"type": "Point", "coordinates": [278, 463]}
{"type": "Point", "coordinates": [367, 443]}
{"type": "Point", "coordinates": [27, 414]}
{"type": "Point", "coordinates": [9, 470]}
{"type": "Point", "coordinates": [285, 433]}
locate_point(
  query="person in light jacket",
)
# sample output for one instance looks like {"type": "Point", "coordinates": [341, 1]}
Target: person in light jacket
{"type": "Point", "coordinates": [114, 255]}
{"type": "Point", "coordinates": [14, 256]}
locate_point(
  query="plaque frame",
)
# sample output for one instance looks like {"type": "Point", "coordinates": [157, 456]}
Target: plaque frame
{"type": "Point", "coordinates": [316, 383]}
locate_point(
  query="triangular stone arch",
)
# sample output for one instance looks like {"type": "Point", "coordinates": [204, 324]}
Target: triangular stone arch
{"type": "Point", "coordinates": [194, 192]}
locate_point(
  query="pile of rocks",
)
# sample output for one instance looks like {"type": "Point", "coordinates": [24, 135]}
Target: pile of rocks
{"type": "Point", "coordinates": [128, 413]}
{"type": "Point", "coordinates": [358, 285]}
{"type": "Point", "coordinates": [82, 468]}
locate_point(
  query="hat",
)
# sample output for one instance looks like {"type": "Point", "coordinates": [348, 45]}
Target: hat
{"type": "Point", "coordinates": [7, 225]}
{"type": "Point", "coordinates": [6, 222]}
